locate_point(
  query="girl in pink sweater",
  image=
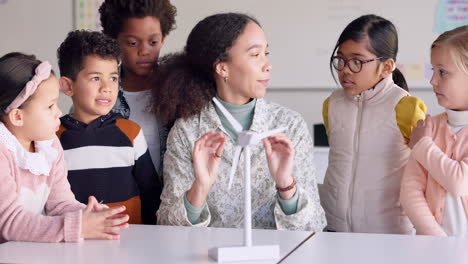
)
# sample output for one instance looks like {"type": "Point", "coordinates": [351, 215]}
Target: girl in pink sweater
{"type": "Point", "coordinates": [434, 191]}
{"type": "Point", "coordinates": [36, 203]}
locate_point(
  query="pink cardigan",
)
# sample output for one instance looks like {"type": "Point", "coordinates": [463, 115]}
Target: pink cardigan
{"type": "Point", "coordinates": [436, 165]}
{"type": "Point", "coordinates": [62, 221]}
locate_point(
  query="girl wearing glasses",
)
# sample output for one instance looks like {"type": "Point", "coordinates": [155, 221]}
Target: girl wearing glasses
{"type": "Point", "coordinates": [368, 124]}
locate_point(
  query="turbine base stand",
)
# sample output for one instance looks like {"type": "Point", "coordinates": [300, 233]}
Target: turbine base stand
{"type": "Point", "coordinates": [231, 254]}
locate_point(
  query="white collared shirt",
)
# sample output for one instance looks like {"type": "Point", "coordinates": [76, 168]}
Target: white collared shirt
{"type": "Point", "coordinates": [455, 222]}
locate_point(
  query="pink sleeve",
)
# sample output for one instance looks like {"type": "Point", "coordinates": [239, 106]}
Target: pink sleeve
{"type": "Point", "coordinates": [413, 201]}
{"type": "Point", "coordinates": [450, 174]}
{"type": "Point", "coordinates": [21, 225]}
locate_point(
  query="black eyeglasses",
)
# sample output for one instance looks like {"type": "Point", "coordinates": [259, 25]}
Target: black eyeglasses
{"type": "Point", "coordinates": [355, 65]}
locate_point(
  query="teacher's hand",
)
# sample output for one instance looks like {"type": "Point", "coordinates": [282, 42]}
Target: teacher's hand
{"type": "Point", "coordinates": [206, 157]}
{"type": "Point", "coordinates": [280, 156]}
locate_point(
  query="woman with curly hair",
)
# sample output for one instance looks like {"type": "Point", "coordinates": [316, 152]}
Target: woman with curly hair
{"type": "Point", "coordinates": [140, 27]}
{"type": "Point", "coordinates": [226, 57]}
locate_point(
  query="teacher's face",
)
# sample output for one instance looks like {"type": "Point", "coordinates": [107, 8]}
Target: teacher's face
{"type": "Point", "coordinates": [247, 68]}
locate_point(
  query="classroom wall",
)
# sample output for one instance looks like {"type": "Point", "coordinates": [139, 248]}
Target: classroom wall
{"type": "Point", "coordinates": [38, 27]}
{"type": "Point", "coordinates": [302, 33]}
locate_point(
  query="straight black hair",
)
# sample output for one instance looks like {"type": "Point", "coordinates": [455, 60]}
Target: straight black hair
{"type": "Point", "coordinates": [383, 40]}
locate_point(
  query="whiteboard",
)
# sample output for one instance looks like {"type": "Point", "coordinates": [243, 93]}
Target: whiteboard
{"type": "Point", "coordinates": [302, 33]}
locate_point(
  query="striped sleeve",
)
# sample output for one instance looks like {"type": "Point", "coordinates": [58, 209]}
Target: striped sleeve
{"type": "Point", "coordinates": [139, 145]}
{"type": "Point", "coordinates": [144, 172]}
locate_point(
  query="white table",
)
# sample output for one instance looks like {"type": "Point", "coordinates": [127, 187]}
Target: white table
{"type": "Point", "coordinates": [165, 244]}
{"type": "Point", "coordinates": [339, 248]}
{"type": "Point", "coordinates": [147, 244]}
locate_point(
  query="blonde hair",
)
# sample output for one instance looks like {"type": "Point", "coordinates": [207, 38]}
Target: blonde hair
{"type": "Point", "coordinates": [457, 41]}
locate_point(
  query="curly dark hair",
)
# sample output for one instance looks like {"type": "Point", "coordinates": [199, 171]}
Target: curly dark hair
{"type": "Point", "coordinates": [114, 13]}
{"type": "Point", "coordinates": [81, 43]}
{"type": "Point", "coordinates": [184, 82]}
{"type": "Point", "coordinates": [16, 69]}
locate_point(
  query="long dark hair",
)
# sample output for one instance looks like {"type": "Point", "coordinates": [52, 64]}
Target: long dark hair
{"type": "Point", "coordinates": [184, 82]}
{"type": "Point", "coordinates": [383, 39]}
{"type": "Point", "coordinates": [16, 69]}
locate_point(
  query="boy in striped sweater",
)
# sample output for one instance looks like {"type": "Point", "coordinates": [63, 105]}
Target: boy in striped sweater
{"type": "Point", "coordinates": [107, 155]}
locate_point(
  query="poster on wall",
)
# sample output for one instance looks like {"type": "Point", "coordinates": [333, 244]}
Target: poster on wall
{"type": "Point", "coordinates": [86, 14]}
{"type": "Point", "coordinates": [450, 14]}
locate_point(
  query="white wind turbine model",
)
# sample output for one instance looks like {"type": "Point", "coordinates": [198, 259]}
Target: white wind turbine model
{"type": "Point", "coordinates": [245, 139]}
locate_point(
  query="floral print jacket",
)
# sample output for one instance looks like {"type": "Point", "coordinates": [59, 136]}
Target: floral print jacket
{"type": "Point", "coordinates": [223, 207]}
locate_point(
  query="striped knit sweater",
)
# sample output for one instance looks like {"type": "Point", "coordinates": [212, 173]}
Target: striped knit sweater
{"type": "Point", "coordinates": [109, 158]}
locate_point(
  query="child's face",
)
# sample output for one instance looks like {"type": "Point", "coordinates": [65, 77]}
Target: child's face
{"type": "Point", "coordinates": [450, 84]}
{"type": "Point", "coordinates": [41, 113]}
{"type": "Point", "coordinates": [141, 40]}
{"type": "Point", "coordinates": [370, 74]}
{"type": "Point", "coordinates": [95, 89]}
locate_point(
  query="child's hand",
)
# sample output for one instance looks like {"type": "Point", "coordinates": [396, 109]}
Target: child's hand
{"type": "Point", "coordinates": [97, 206]}
{"type": "Point", "coordinates": [102, 224]}
{"type": "Point", "coordinates": [422, 129]}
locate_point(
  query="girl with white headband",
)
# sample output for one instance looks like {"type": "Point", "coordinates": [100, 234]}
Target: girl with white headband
{"type": "Point", "coordinates": [36, 203]}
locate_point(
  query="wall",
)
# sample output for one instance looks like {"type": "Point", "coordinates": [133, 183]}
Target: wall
{"type": "Point", "coordinates": [38, 27]}
{"type": "Point", "coordinates": [302, 33]}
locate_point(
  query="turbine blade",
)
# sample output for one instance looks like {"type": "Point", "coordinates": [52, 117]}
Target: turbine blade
{"type": "Point", "coordinates": [228, 116]}
{"type": "Point", "coordinates": [235, 160]}
{"type": "Point", "coordinates": [263, 135]}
